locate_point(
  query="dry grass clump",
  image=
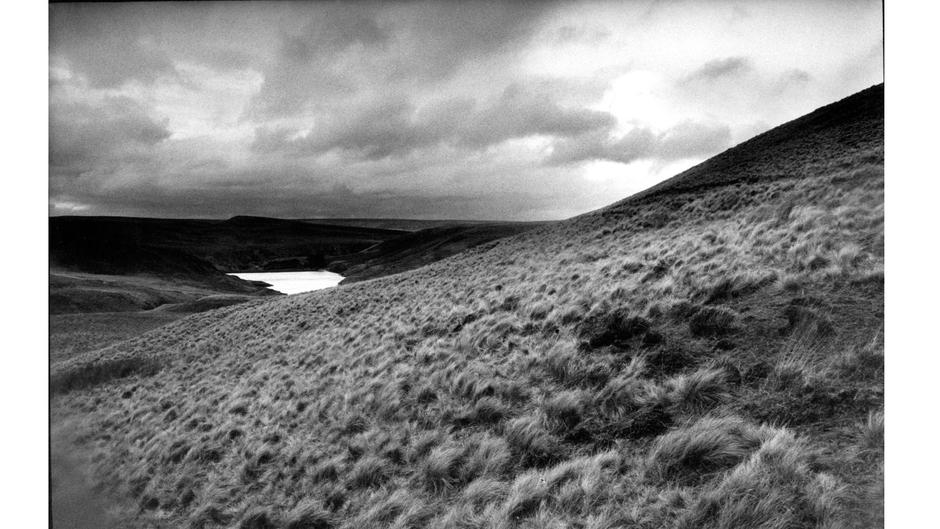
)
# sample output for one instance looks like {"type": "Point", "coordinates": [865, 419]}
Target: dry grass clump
{"type": "Point", "coordinates": [872, 431]}
{"type": "Point", "coordinates": [309, 514]}
{"type": "Point", "coordinates": [258, 518]}
{"type": "Point", "coordinates": [531, 442]}
{"type": "Point", "coordinates": [709, 445]}
{"type": "Point", "coordinates": [370, 471]}
{"type": "Point", "coordinates": [72, 334]}
{"type": "Point", "coordinates": [441, 469]}
{"type": "Point", "coordinates": [742, 284]}
{"type": "Point", "coordinates": [699, 391]}
{"type": "Point", "coordinates": [208, 516]}
{"type": "Point", "coordinates": [712, 321]}
{"type": "Point", "coordinates": [774, 487]}
{"type": "Point", "coordinates": [565, 491]}
{"type": "Point", "coordinates": [608, 328]}
{"type": "Point", "coordinates": [811, 388]}
{"type": "Point", "coordinates": [100, 371]}
{"type": "Point", "coordinates": [565, 365]}
{"type": "Point", "coordinates": [807, 321]}
{"type": "Point", "coordinates": [565, 410]}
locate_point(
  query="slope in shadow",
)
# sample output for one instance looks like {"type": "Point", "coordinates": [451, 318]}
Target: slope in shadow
{"type": "Point", "coordinates": [422, 247]}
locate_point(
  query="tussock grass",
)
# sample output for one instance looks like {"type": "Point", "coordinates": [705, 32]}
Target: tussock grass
{"type": "Point", "coordinates": [309, 514]}
{"type": "Point", "coordinates": [370, 471]}
{"type": "Point", "coordinates": [564, 364]}
{"type": "Point", "coordinates": [531, 442]}
{"type": "Point", "coordinates": [713, 321]}
{"type": "Point", "coordinates": [97, 372]}
{"type": "Point", "coordinates": [614, 327]}
{"type": "Point", "coordinates": [709, 445]}
{"type": "Point", "coordinates": [566, 409]}
{"type": "Point", "coordinates": [774, 487]}
{"type": "Point", "coordinates": [440, 470]}
{"type": "Point", "coordinates": [872, 431]}
{"type": "Point", "coordinates": [460, 394]}
{"type": "Point", "coordinates": [742, 284]}
{"type": "Point", "coordinates": [699, 391]}
{"type": "Point", "coordinates": [811, 384]}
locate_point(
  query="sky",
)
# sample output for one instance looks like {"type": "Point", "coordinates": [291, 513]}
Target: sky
{"type": "Point", "coordinates": [425, 110]}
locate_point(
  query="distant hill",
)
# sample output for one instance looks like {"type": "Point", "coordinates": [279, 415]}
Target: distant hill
{"type": "Point", "coordinates": [120, 264]}
{"type": "Point", "coordinates": [422, 247]}
{"type": "Point", "coordinates": [239, 244]}
{"type": "Point", "coordinates": [400, 224]}
{"type": "Point", "coordinates": [145, 263]}
{"type": "Point", "coordinates": [827, 139]}
{"type": "Point", "coordinates": [205, 250]}
{"type": "Point", "coordinates": [705, 354]}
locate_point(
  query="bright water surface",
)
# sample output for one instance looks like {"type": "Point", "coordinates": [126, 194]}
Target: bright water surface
{"type": "Point", "coordinates": [294, 282]}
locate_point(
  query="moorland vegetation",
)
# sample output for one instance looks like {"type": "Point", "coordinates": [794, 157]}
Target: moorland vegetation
{"type": "Point", "coordinates": [707, 354]}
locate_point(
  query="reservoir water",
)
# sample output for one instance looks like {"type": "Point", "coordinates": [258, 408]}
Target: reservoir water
{"type": "Point", "coordinates": [294, 282]}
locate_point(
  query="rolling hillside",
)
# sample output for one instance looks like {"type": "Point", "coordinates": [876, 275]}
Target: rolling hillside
{"type": "Point", "coordinates": [169, 246]}
{"type": "Point", "coordinates": [142, 273]}
{"type": "Point", "coordinates": [121, 264]}
{"type": "Point", "coordinates": [706, 354]}
{"type": "Point", "coordinates": [422, 247]}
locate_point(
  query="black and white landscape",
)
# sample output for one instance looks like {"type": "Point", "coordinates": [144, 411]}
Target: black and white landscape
{"type": "Point", "coordinates": [466, 265]}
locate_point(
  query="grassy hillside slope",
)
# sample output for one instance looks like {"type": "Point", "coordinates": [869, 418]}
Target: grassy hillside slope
{"type": "Point", "coordinates": [72, 334]}
{"type": "Point", "coordinates": [707, 354]}
{"type": "Point", "coordinates": [416, 249]}
{"type": "Point", "coordinates": [79, 292]}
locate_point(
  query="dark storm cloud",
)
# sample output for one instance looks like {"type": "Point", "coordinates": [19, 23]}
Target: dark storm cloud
{"type": "Point", "coordinates": [393, 127]}
{"type": "Point", "coordinates": [685, 140]}
{"type": "Point", "coordinates": [438, 38]}
{"type": "Point", "coordinates": [332, 32]}
{"type": "Point", "coordinates": [84, 134]}
{"type": "Point", "coordinates": [520, 112]}
{"type": "Point", "coordinates": [108, 45]}
{"type": "Point", "coordinates": [342, 49]}
{"type": "Point", "coordinates": [309, 65]}
{"type": "Point", "coordinates": [472, 109]}
{"type": "Point", "coordinates": [374, 132]}
{"type": "Point", "coordinates": [225, 58]}
{"type": "Point", "coordinates": [720, 68]}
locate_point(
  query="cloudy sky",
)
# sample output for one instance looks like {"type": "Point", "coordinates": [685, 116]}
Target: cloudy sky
{"type": "Point", "coordinates": [467, 110]}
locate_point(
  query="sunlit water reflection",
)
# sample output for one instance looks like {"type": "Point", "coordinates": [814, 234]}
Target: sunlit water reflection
{"type": "Point", "coordinates": [294, 282]}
